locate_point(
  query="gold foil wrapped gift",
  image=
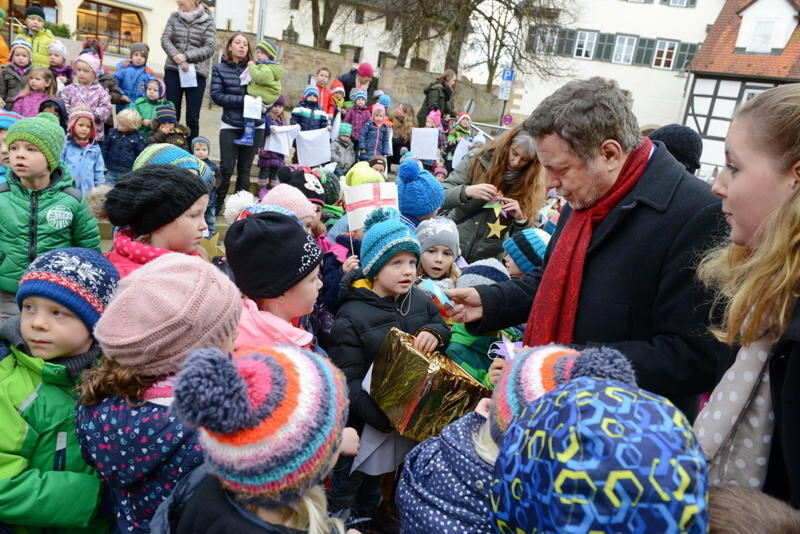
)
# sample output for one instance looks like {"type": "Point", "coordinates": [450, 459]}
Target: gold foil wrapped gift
{"type": "Point", "coordinates": [420, 393]}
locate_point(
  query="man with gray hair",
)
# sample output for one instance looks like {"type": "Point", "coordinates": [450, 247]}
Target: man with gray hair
{"type": "Point", "coordinates": [620, 268]}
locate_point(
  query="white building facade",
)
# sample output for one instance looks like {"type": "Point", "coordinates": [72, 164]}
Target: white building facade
{"type": "Point", "coordinates": [644, 45]}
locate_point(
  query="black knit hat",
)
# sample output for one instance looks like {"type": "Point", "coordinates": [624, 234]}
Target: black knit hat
{"type": "Point", "coordinates": [269, 253]}
{"type": "Point", "coordinates": [34, 10]}
{"type": "Point", "coordinates": [309, 185]}
{"type": "Point", "coordinates": [682, 142]}
{"type": "Point", "coordinates": [150, 197]}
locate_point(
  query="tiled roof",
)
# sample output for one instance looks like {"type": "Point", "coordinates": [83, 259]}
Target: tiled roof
{"type": "Point", "coordinates": [716, 55]}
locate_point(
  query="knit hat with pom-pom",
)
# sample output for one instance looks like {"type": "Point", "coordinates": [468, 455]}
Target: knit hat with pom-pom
{"type": "Point", "coordinates": [150, 197]}
{"type": "Point", "coordinates": [536, 371]}
{"type": "Point", "coordinates": [290, 198]}
{"type": "Point", "coordinates": [270, 420]}
{"type": "Point", "coordinates": [483, 273]}
{"type": "Point", "coordinates": [269, 254]}
{"type": "Point", "coordinates": [386, 235]}
{"type": "Point", "coordinates": [527, 248]}
{"type": "Point", "coordinates": [419, 193]}
{"type": "Point", "coordinates": [44, 132]}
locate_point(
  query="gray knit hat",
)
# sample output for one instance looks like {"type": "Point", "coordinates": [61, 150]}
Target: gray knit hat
{"type": "Point", "coordinates": [140, 47]}
{"type": "Point", "coordinates": [438, 231]}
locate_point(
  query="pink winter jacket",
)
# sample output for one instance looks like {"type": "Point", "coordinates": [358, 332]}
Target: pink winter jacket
{"type": "Point", "coordinates": [93, 97]}
{"type": "Point", "coordinates": [260, 328]}
{"type": "Point", "coordinates": [28, 105]}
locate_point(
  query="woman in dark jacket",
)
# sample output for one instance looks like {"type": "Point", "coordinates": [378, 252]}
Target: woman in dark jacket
{"type": "Point", "coordinates": [228, 92]}
{"type": "Point", "coordinates": [748, 429]}
{"type": "Point", "coordinates": [507, 165]}
{"type": "Point", "coordinates": [189, 38]}
{"type": "Point", "coordinates": [438, 95]}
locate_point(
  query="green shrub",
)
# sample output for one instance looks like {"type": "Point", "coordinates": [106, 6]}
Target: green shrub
{"type": "Point", "coordinates": [59, 30]}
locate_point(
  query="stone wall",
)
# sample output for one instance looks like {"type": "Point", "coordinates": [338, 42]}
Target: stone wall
{"type": "Point", "coordinates": [403, 85]}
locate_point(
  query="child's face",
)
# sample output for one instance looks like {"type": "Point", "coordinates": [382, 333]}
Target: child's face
{"type": "Point", "coordinates": [396, 276]}
{"type": "Point", "coordinates": [378, 115]}
{"type": "Point", "coordinates": [138, 59]}
{"type": "Point", "coordinates": [38, 83]}
{"type": "Point", "coordinates": [465, 122]}
{"type": "Point", "coordinates": [82, 129]}
{"type": "Point", "coordinates": [378, 166]}
{"type": "Point", "coordinates": [277, 109]}
{"type": "Point", "coordinates": [166, 127]}
{"type": "Point", "coordinates": [339, 95]}
{"type": "Point", "coordinates": [52, 110]}
{"type": "Point", "coordinates": [184, 233]}
{"type": "Point", "coordinates": [311, 98]}
{"type": "Point", "coordinates": [3, 148]}
{"type": "Point", "coordinates": [200, 150]}
{"type": "Point", "coordinates": [27, 160]}
{"type": "Point", "coordinates": [152, 91]}
{"type": "Point", "coordinates": [344, 137]}
{"type": "Point", "coordinates": [317, 215]}
{"type": "Point", "coordinates": [436, 261]}
{"type": "Point", "coordinates": [440, 176]}
{"type": "Point", "coordinates": [360, 102]}
{"type": "Point", "coordinates": [261, 55]}
{"type": "Point", "coordinates": [50, 330]}
{"type": "Point", "coordinates": [83, 73]}
{"type": "Point", "coordinates": [308, 224]}
{"type": "Point", "coordinates": [511, 266]}
{"type": "Point", "coordinates": [300, 299]}
{"type": "Point", "coordinates": [21, 58]}
{"type": "Point", "coordinates": [34, 24]}
{"type": "Point", "coordinates": [56, 59]}
{"type": "Point", "coordinates": [323, 77]}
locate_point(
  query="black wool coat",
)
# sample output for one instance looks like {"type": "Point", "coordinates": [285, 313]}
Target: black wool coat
{"type": "Point", "coordinates": [361, 323]}
{"type": "Point", "coordinates": [639, 292]}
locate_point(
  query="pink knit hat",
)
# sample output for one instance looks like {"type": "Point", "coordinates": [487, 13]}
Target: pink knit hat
{"type": "Point", "coordinates": [90, 59]}
{"type": "Point", "coordinates": [162, 311]}
{"type": "Point", "coordinates": [290, 198]}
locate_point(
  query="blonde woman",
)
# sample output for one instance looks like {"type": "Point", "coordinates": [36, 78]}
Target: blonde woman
{"type": "Point", "coordinates": [748, 429]}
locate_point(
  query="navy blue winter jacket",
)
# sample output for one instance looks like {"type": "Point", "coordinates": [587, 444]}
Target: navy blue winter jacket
{"type": "Point", "coordinates": [309, 116]}
{"type": "Point", "coordinates": [120, 149]}
{"type": "Point", "coordinates": [374, 140]}
{"type": "Point", "coordinates": [228, 92]}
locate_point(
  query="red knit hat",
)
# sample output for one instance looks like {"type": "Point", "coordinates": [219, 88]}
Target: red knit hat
{"type": "Point", "coordinates": [366, 70]}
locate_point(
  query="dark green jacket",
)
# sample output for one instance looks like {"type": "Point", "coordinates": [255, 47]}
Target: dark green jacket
{"type": "Point", "coordinates": [33, 222]}
{"type": "Point", "coordinates": [471, 218]}
{"type": "Point", "coordinates": [436, 96]}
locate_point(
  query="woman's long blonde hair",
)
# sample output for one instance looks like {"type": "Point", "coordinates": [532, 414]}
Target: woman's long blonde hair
{"type": "Point", "coordinates": [402, 127]}
{"type": "Point", "coordinates": [757, 288]}
{"type": "Point", "coordinates": [528, 188]}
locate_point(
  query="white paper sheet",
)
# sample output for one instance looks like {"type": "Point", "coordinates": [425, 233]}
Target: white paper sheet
{"type": "Point", "coordinates": [462, 149]}
{"type": "Point", "coordinates": [391, 147]}
{"type": "Point", "coordinates": [252, 107]}
{"type": "Point", "coordinates": [425, 143]}
{"type": "Point", "coordinates": [313, 147]}
{"type": "Point", "coordinates": [188, 78]}
{"type": "Point", "coordinates": [337, 121]}
{"type": "Point", "coordinates": [244, 77]}
{"type": "Point", "coordinates": [281, 139]}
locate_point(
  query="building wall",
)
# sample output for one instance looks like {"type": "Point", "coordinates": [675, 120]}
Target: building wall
{"type": "Point", "coordinates": [657, 93]}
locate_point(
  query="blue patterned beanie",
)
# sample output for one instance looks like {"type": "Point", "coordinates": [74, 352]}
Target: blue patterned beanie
{"type": "Point", "coordinates": [167, 154]}
{"type": "Point", "coordinates": [419, 193]}
{"type": "Point", "coordinates": [483, 273]}
{"type": "Point", "coordinates": [311, 90]}
{"type": "Point", "coordinates": [527, 248]}
{"type": "Point", "coordinates": [385, 235]}
{"type": "Point", "coordinates": [359, 93]}
{"type": "Point", "coordinates": [600, 456]}
{"type": "Point", "coordinates": [201, 139]}
{"type": "Point", "coordinates": [80, 279]}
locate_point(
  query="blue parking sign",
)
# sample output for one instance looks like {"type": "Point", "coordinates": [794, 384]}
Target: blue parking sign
{"type": "Point", "coordinates": [508, 75]}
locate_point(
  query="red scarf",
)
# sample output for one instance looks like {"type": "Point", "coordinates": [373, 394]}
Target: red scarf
{"type": "Point", "coordinates": [552, 317]}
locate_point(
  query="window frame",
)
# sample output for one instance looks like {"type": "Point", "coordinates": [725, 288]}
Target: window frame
{"type": "Point", "coordinates": [675, 45]}
{"type": "Point", "coordinates": [753, 50]}
{"type": "Point", "coordinates": [586, 33]}
{"type": "Point", "coordinates": [108, 38]}
{"type": "Point", "coordinates": [678, 3]}
{"type": "Point", "coordinates": [549, 32]}
{"type": "Point", "coordinates": [635, 40]}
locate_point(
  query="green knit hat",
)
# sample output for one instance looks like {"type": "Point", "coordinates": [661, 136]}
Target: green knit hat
{"type": "Point", "coordinates": [268, 47]}
{"type": "Point", "coordinates": [42, 131]}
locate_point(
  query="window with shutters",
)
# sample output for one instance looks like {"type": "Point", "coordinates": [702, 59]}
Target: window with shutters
{"type": "Point", "coordinates": [665, 54]}
{"type": "Point", "coordinates": [643, 55]}
{"type": "Point", "coordinates": [565, 42]}
{"type": "Point", "coordinates": [605, 47]}
{"type": "Point", "coordinates": [544, 39]}
{"type": "Point", "coordinates": [585, 44]}
{"type": "Point", "coordinates": [623, 49]}
{"type": "Point", "coordinates": [686, 52]}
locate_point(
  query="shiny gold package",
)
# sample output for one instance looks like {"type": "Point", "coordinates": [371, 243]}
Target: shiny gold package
{"type": "Point", "coordinates": [419, 393]}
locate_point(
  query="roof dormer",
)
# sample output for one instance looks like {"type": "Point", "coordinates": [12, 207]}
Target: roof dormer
{"type": "Point", "coordinates": [766, 26]}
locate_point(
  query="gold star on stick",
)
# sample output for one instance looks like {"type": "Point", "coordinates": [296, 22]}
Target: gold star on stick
{"type": "Point", "coordinates": [496, 229]}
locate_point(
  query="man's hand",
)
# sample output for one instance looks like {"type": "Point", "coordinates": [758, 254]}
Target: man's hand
{"type": "Point", "coordinates": [426, 342]}
{"type": "Point", "coordinates": [468, 306]}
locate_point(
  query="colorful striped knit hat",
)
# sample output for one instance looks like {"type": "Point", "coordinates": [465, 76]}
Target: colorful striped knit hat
{"type": "Point", "coordinates": [42, 131]}
{"type": "Point", "coordinates": [536, 371]}
{"type": "Point", "coordinates": [386, 235]}
{"type": "Point", "coordinates": [80, 279]}
{"type": "Point", "coordinates": [7, 118]}
{"type": "Point", "coordinates": [527, 248]}
{"type": "Point", "coordinates": [311, 90]}
{"type": "Point", "coordinates": [482, 273]}
{"type": "Point", "coordinates": [270, 420]}
{"type": "Point", "coordinates": [167, 154]}
{"type": "Point", "coordinates": [268, 47]}
{"type": "Point", "coordinates": [359, 94]}
{"type": "Point", "coordinates": [19, 43]}
{"type": "Point", "coordinates": [166, 114]}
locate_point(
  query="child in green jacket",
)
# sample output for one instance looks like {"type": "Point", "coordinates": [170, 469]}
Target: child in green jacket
{"type": "Point", "coordinates": [45, 484]}
{"type": "Point", "coordinates": [148, 104]}
{"type": "Point", "coordinates": [40, 209]}
{"type": "Point", "coordinates": [37, 35]}
{"type": "Point", "coordinates": [265, 83]}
